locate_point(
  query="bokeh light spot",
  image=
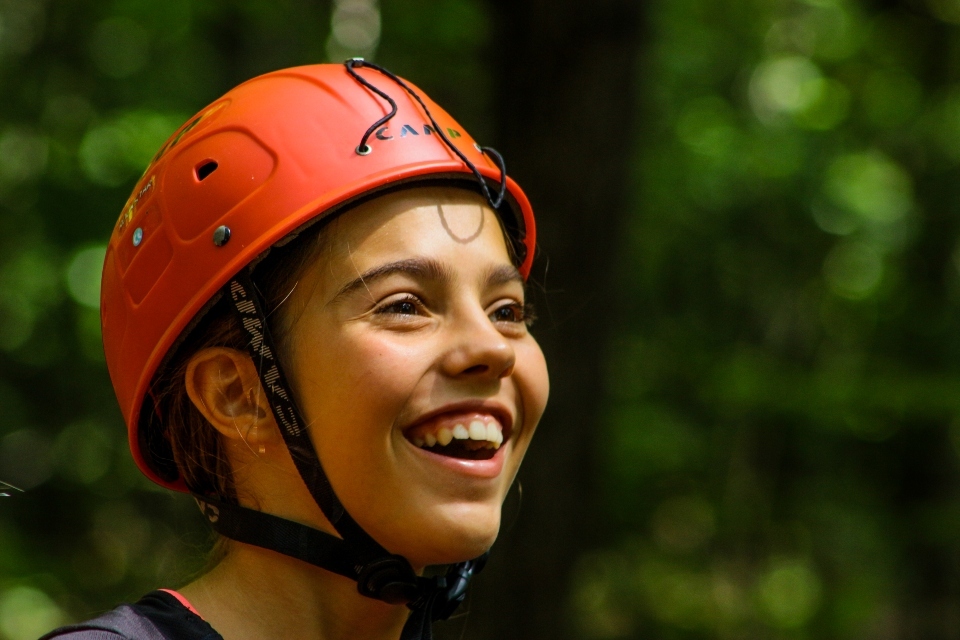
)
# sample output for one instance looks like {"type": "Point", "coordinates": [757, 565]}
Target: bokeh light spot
{"type": "Point", "coordinates": [83, 275]}
{"type": "Point", "coordinates": [870, 185]}
{"type": "Point", "coordinates": [119, 149]}
{"type": "Point", "coordinates": [706, 126]}
{"type": "Point", "coordinates": [829, 109]}
{"type": "Point", "coordinates": [834, 220]}
{"type": "Point", "coordinates": [28, 286]}
{"type": "Point", "coordinates": [25, 459]}
{"type": "Point", "coordinates": [680, 597]}
{"type": "Point", "coordinates": [21, 25]}
{"type": "Point", "coordinates": [23, 154]}
{"type": "Point", "coordinates": [84, 451]}
{"type": "Point", "coordinates": [784, 86]}
{"type": "Point", "coordinates": [853, 270]}
{"type": "Point", "coordinates": [354, 29]}
{"type": "Point", "coordinates": [790, 593]}
{"type": "Point", "coordinates": [27, 613]}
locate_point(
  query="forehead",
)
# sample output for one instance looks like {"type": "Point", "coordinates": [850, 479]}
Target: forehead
{"type": "Point", "coordinates": [439, 222]}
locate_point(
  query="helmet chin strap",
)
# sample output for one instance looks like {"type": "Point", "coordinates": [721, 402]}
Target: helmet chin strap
{"type": "Point", "coordinates": [355, 555]}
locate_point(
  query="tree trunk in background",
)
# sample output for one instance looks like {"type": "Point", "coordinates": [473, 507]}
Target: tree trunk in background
{"type": "Point", "coordinates": [565, 75]}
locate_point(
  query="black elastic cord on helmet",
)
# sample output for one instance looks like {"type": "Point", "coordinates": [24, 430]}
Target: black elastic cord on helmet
{"type": "Point", "coordinates": [363, 148]}
{"type": "Point", "coordinates": [379, 574]}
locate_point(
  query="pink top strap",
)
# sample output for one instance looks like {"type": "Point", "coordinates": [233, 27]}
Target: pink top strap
{"type": "Point", "coordinates": [183, 601]}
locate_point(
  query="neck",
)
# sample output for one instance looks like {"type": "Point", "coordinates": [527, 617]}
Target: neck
{"type": "Point", "coordinates": [255, 593]}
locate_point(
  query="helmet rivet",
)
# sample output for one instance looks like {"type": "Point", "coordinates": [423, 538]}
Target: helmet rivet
{"type": "Point", "coordinates": [364, 150]}
{"type": "Point", "coordinates": [137, 236]}
{"type": "Point", "coordinates": [221, 235]}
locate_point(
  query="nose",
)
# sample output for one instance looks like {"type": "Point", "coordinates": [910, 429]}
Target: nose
{"type": "Point", "coordinates": [479, 350]}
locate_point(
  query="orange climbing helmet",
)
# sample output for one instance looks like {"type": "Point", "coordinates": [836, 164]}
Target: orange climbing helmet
{"type": "Point", "coordinates": [268, 158]}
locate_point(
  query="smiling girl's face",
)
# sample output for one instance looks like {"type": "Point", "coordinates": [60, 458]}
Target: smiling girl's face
{"type": "Point", "coordinates": [410, 357]}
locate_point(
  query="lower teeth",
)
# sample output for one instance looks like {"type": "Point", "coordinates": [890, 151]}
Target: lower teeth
{"type": "Point", "coordinates": [470, 449]}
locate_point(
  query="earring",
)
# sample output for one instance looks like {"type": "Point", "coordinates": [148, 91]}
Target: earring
{"type": "Point", "coordinates": [261, 449]}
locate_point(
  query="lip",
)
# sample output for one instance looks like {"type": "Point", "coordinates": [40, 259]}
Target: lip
{"type": "Point", "coordinates": [481, 469]}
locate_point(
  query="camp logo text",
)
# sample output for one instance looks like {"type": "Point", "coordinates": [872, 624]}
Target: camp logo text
{"type": "Point", "coordinates": [383, 133]}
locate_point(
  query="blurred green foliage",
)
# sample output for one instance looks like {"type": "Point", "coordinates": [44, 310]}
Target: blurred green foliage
{"type": "Point", "coordinates": [785, 387]}
{"type": "Point", "coordinates": [782, 395]}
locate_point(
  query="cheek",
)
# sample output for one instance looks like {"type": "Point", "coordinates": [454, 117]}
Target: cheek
{"type": "Point", "coordinates": [533, 381]}
{"type": "Point", "coordinates": [385, 371]}
{"type": "Point", "coordinates": [356, 385]}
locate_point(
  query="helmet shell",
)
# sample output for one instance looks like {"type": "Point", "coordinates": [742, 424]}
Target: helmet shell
{"type": "Point", "coordinates": [273, 154]}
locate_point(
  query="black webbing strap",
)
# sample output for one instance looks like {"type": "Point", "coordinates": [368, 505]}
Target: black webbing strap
{"type": "Point", "coordinates": [436, 598]}
{"type": "Point", "coordinates": [429, 599]}
{"type": "Point", "coordinates": [419, 625]}
{"type": "Point", "coordinates": [246, 302]}
{"type": "Point", "coordinates": [293, 539]}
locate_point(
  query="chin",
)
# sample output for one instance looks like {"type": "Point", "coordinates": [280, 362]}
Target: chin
{"type": "Point", "coordinates": [450, 539]}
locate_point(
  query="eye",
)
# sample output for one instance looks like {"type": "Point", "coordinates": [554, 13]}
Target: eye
{"type": "Point", "coordinates": [408, 306]}
{"type": "Point", "coordinates": [513, 312]}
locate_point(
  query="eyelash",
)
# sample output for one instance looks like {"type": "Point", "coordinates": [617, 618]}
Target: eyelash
{"type": "Point", "coordinates": [389, 307]}
{"type": "Point", "coordinates": [525, 311]}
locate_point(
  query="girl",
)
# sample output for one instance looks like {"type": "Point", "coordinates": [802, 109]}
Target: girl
{"type": "Point", "coordinates": [314, 319]}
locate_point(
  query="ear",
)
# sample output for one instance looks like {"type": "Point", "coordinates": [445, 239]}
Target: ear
{"type": "Point", "coordinates": [224, 386]}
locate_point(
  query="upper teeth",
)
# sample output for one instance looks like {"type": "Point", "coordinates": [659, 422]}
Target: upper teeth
{"type": "Point", "coordinates": [474, 430]}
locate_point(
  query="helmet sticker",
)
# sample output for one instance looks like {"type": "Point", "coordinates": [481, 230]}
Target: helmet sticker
{"type": "Point", "coordinates": [131, 209]}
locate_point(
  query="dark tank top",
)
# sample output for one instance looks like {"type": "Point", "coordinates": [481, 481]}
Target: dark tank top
{"type": "Point", "coordinates": [159, 615]}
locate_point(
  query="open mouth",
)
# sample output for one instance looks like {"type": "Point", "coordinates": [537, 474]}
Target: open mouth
{"type": "Point", "coordinates": [477, 438]}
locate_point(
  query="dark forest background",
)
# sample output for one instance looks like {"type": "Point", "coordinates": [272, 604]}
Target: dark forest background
{"type": "Point", "coordinates": [748, 284]}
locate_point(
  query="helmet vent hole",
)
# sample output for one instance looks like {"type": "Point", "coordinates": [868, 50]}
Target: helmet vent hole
{"type": "Point", "coordinates": [205, 169]}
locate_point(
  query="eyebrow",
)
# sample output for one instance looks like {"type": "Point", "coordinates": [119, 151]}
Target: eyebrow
{"type": "Point", "coordinates": [504, 274]}
{"type": "Point", "coordinates": [423, 268]}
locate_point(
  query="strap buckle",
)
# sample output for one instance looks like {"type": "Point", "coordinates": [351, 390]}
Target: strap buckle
{"type": "Point", "coordinates": [390, 579]}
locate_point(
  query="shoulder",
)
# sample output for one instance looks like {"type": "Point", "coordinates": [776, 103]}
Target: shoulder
{"type": "Point", "coordinates": [159, 615]}
{"type": "Point", "coordinates": [123, 623]}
